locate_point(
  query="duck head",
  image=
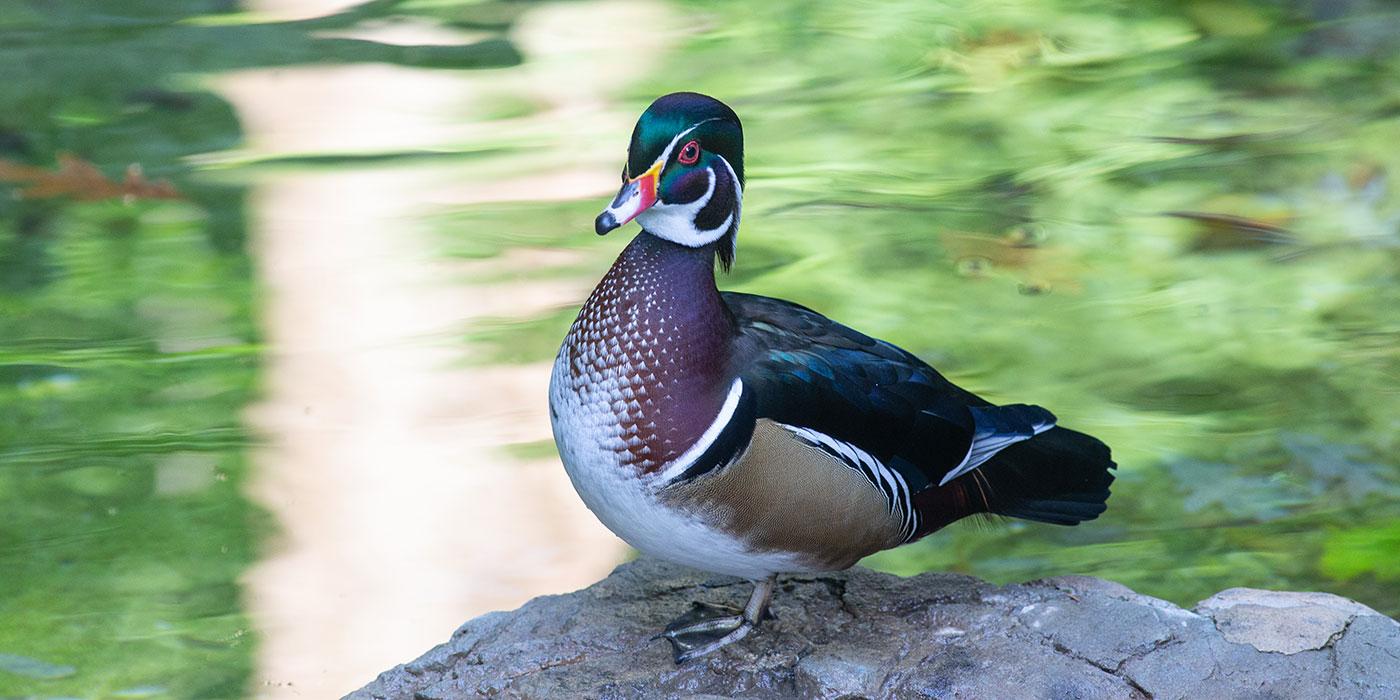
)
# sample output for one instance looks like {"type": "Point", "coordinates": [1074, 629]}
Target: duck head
{"type": "Point", "coordinates": [684, 178]}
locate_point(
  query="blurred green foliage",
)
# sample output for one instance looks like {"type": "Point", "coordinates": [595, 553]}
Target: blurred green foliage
{"type": "Point", "coordinates": [128, 348]}
{"type": "Point", "coordinates": [1174, 224]}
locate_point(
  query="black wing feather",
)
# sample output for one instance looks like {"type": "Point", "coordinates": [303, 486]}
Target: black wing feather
{"type": "Point", "coordinates": [808, 370]}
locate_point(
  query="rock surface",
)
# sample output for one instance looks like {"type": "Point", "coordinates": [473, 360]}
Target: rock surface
{"type": "Point", "coordinates": [862, 634]}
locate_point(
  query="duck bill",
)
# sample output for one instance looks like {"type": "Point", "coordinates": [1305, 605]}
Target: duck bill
{"type": "Point", "coordinates": [636, 196]}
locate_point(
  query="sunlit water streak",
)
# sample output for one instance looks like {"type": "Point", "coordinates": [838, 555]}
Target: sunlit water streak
{"type": "Point", "coordinates": [398, 516]}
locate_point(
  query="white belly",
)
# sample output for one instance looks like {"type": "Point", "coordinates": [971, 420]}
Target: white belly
{"type": "Point", "coordinates": [626, 501]}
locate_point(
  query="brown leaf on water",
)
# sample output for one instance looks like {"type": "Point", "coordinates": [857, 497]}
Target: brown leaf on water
{"type": "Point", "coordinates": [1229, 231]}
{"type": "Point", "coordinates": [993, 250]}
{"type": "Point", "coordinates": [1037, 268]}
{"type": "Point", "coordinates": [1001, 37]}
{"type": "Point", "coordinates": [991, 57]}
{"type": "Point", "coordinates": [1367, 174]}
{"type": "Point", "coordinates": [78, 179]}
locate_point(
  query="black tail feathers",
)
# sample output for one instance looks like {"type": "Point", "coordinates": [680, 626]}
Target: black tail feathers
{"type": "Point", "coordinates": [1060, 476]}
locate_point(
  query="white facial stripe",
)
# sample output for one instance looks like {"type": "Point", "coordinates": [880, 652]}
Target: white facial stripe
{"type": "Point", "coordinates": [738, 206]}
{"type": "Point", "coordinates": [687, 458]}
{"type": "Point", "coordinates": [666, 154]}
{"type": "Point", "coordinates": [676, 222]}
{"type": "Point", "coordinates": [628, 209]}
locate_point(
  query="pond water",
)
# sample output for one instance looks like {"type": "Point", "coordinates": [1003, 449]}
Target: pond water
{"type": "Point", "coordinates": [276, 424]}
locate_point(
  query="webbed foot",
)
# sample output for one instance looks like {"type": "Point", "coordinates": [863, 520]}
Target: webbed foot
{"type": "Point", "coordinates": [705, 628]}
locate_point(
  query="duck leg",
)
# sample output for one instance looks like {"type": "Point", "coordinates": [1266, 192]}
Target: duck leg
{"type": "Point", "coordinates": [706, 628]}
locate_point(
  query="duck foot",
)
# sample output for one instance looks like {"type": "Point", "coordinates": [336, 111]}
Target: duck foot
{"type": "Point", "coordinates": [696, 634]}
{"type": "Point", "coordinates": [705, 628]}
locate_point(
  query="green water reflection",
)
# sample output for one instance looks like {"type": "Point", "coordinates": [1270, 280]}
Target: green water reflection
{"type": "Point", "coordinates": [986, 184]}
{"type": "Point", "coordinates": [128, 349]}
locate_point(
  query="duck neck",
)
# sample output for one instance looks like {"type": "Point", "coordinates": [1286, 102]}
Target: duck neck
{"type": "Point", "coordinates": [653, 342]}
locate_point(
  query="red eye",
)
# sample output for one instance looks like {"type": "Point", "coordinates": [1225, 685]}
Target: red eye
{"type": "Point", "coordinates": [690, 153]}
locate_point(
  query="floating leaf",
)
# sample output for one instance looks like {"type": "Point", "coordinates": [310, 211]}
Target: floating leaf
{"type": "Point", "coordinates": [78, 179]}
{"type": "Point", "coordinates": [1038, 268]}
{"type": "Point", "coordinates": [1229, 231]}
{"type": "Point", "coordinates": [995, 250]}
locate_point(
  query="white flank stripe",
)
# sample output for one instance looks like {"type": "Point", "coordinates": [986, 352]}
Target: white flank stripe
{"type": "Point", "coordinates": [889, 482]}
{"type": "Point", "coordinates": [666, 154]}
{"type": "Point", "coordinates": [687, 458]}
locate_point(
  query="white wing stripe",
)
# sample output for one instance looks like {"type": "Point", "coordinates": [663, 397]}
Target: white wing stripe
{"type": "Point", "coordinates": [986, 445]}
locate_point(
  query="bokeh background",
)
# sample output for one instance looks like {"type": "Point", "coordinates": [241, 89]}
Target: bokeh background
{"type": "Point", "coordinates": [272, 401]}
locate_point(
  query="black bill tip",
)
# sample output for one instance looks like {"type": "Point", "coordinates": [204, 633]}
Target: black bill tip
{"type": "Point", "coordinates": [605, 223]}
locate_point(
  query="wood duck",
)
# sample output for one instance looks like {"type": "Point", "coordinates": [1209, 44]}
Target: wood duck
{"type": "Point", "coordinates": [751, 436]}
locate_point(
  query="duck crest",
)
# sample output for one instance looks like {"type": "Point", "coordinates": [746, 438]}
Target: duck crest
{"type": "Point", "coordinates": [647, 357]}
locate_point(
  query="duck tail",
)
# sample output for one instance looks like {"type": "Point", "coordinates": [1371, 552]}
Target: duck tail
{"type": "Point", "coordinates": [1060, 476]}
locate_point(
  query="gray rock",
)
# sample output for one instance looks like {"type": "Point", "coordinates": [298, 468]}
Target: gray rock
{"type": "Point", "coordinates": [862, 634]}
{"type": "Point", "coordinates": [1283, 622]}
